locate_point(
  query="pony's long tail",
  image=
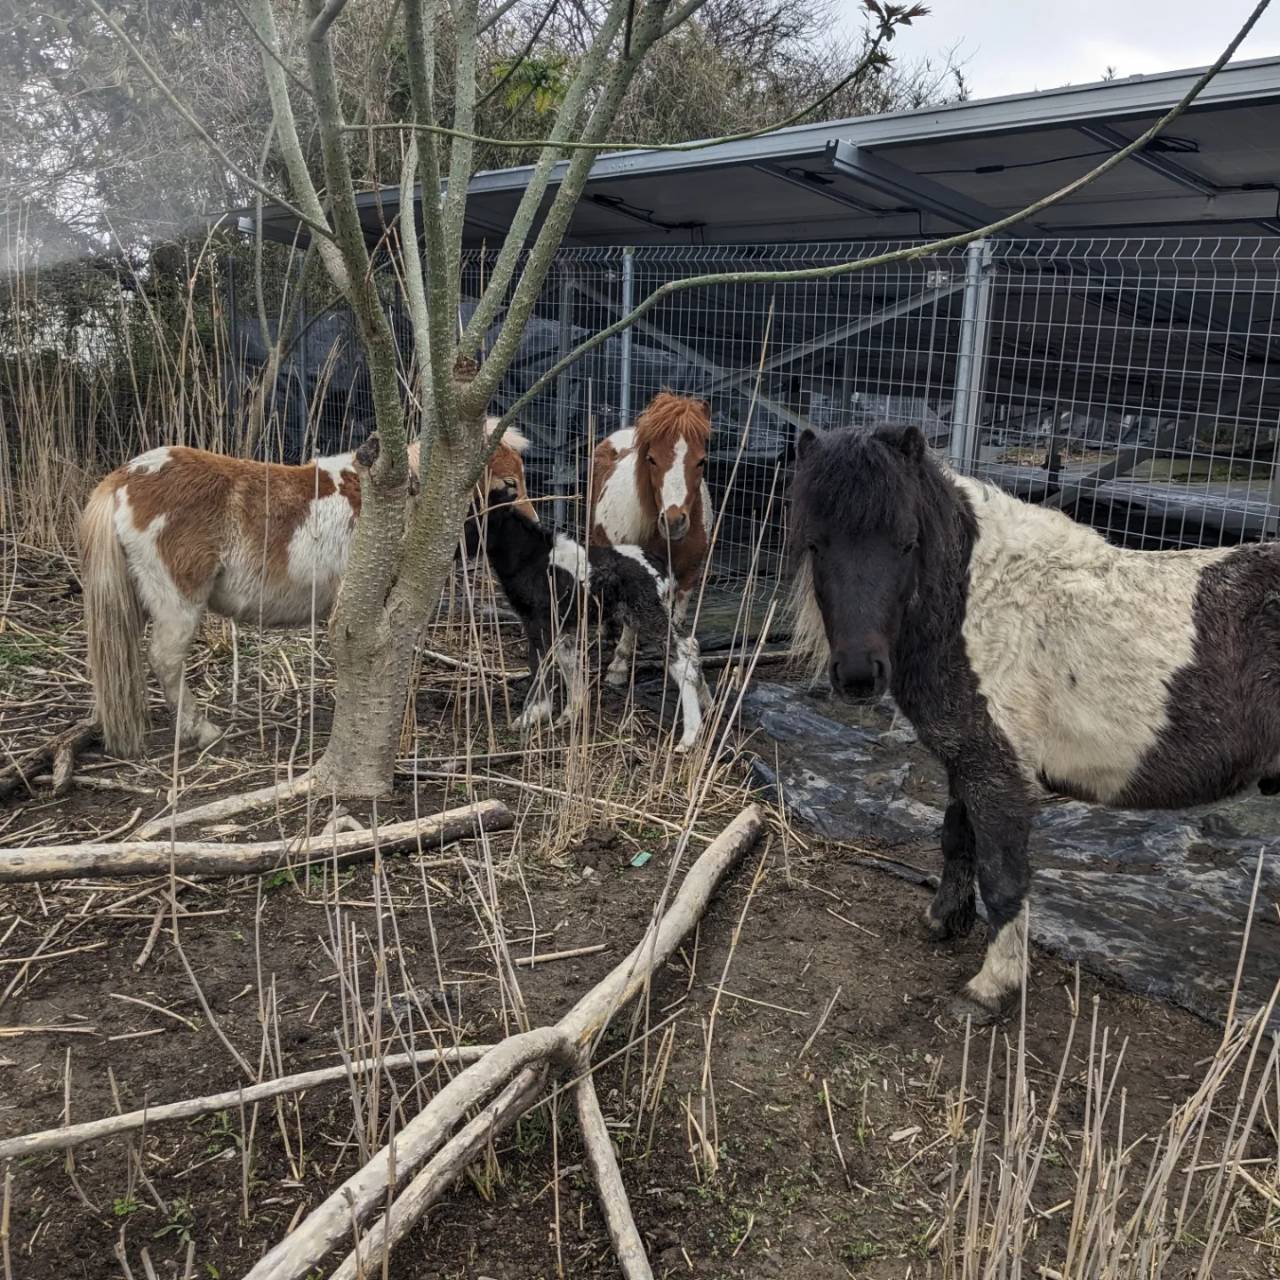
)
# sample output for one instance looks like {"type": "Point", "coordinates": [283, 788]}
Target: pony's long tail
{"type": "Point", "coordinates": [114, 620]}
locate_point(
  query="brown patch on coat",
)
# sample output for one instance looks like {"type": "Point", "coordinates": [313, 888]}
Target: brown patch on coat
{"type": "Point", "coordinates": [211, 501]}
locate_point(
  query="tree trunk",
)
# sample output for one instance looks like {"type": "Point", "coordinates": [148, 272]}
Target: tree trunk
{"type": "Point", "coordinates": [373, 640]}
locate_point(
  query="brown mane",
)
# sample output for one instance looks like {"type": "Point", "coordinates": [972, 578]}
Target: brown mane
{"type": "Point", "coordinates": [669, 417]}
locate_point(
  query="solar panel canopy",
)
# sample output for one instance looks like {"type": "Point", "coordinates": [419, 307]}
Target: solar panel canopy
{"type": "Point", "coordinates": [929, 172]}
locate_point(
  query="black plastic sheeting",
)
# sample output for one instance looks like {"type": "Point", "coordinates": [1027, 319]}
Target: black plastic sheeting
{"type": "Point", "coordinates": [1154, 900]}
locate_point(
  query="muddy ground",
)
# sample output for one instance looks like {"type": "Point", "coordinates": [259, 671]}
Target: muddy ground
{"type": "Point", "coordinates": [819, 925]}
{"type": "Point", "coordinates": [830, 1026]}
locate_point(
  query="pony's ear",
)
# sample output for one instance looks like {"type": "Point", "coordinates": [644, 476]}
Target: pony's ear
{"type": "Point", "coordinates": [910, 442]}
{"type": "Point", "coordinates": [805, 441]}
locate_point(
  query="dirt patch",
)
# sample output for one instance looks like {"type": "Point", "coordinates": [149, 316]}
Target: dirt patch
{"type": "Point", "coordinates": [727, 1093]}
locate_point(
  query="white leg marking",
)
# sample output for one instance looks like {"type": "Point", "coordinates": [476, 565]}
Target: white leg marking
{"type": "Point", "coordinates": [537, 710]}
{"type": "Point", "coordinates": [686, 672]}
{"type": "Point", "coordinates": [566, 652]}
{"type": "Point", "coordinates": [1001, 970]}
{"type": "Point", "coordinates": [619, 672]}
{"type": "Point", "coordinates": [171, 634]}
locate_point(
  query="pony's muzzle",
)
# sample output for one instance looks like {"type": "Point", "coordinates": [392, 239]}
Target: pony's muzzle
{"type": "Point", "coordinates": [673, 524]}
{"type": "Point", "coordinates": [859, 677]}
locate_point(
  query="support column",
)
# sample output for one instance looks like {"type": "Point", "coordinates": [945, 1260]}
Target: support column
{"type": "Point", "coordinates": [971, 360]}
{"type": "Point", "coordinates": [563, 479]}
{"type": "Point", "coordinates": [624, 360]}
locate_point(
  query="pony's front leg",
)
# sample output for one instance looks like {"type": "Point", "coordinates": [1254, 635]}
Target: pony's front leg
{"type": "Point", "coordinates": [951, 913]}
{"type": "Point", "coordinates": [569, 660]}
{"type": "Point", "coordinates": [680, 604]}
{"type": "Point", "coordinates": [537, 703]}
{"type": "Point", "coordinates": [172, 631]}
{"type": "Point", "coordinates": [999, 810]}
{"type": "Point", "coordinates": [686, 673]}
{"type": "Point", "coordinates": [619, 673]}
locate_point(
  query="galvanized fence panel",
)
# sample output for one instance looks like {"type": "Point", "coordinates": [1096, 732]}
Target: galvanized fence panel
{"type": "Point", "coordinates": [1129, 382]}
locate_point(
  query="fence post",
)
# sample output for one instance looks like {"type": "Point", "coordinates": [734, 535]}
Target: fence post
{"type": "Point", "coordinates": [624, 362]}
{"type": "Point", "coordinates": [971, 358]}
{"type": "Point", "coordinates": [562, 473]}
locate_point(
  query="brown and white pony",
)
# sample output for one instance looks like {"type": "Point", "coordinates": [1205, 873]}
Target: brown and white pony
{"type": "Point", "coordinates": [179, 531]}
{"type": "Point", "coordinates": [648, 489]}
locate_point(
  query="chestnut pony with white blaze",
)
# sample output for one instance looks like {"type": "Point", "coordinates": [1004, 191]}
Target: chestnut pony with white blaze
{"type": "Point", "coordinates": [648, 490]}
{"type": "Point", "coordinates": [179, 531]}
{"type": "Point", "coordinates": [1030, 655]}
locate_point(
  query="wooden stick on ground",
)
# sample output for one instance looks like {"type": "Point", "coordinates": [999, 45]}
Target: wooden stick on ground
{"type": "Point", "coordinates": [93, 1130]}
{"type": "Point", "coordinates": [214, 858]}
{"type": "Point", "coordinates": [229, 806]}
{"type": "Point", "coordinates": [60, 751]}
{"type": "Point", "coordinates": [558, 1048]}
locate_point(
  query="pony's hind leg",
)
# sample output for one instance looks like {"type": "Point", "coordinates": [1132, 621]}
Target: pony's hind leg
{"type": "Point", "coordinates": [619, 673]}
{"type": "Point", "coordinates": [951, 913]}
{"type": "Point", "coordinates": [172, 630]}
{"type": "Point", "coordinates": [1000, 814]}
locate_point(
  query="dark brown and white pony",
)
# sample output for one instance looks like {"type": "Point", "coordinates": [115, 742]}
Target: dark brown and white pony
{"type": "Point", "coordinates": [648, 489]}
{"type": "Point", "coordinates": [1031, 655]}
{"type": "Point", "coordinates": [179, 531]}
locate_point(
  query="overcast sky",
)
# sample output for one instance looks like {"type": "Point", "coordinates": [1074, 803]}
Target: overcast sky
{"type": "Point", "coordinates": [1012, 46]}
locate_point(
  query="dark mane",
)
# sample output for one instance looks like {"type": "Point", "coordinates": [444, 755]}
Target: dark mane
{"type": "Point", "coordinates": [669, 417]}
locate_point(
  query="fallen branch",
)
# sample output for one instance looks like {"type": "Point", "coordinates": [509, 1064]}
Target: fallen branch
{"type": "Point", "coordinates": [212, 858]}
{"type": "Point", "coordinates": [59, 751]}
{"type": "Point", "coordinates": [229, 806]}
{"type": "Point", "coordinates": [74, 1135]}
{"type": "Point", "coordinates": [516, 1063]}
{"type": "Point", "coordinates": [441, 1171]}
{"type": "Point", "coordinates": [603, 1163]}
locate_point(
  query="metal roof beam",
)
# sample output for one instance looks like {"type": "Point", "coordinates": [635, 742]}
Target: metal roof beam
{"type": "Point", "coordinates": [815, 185]}
{"type": "Point", "coordinates": [901, 184]}
{"type": "Point", "coordinates": [1156, 161]}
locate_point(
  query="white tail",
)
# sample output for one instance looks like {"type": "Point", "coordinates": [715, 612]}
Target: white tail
{"type": "Point", "coordinates": [114, 620]}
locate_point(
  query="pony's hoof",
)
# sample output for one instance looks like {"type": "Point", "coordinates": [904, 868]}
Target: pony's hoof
{"type": "Point", "coordinates": [528, 721]}
{"type": "Point", "coordinates": [617, 679]}
{"type": "Point", "coordinates": [965, 1006]}
{"type": "Point", "coordinates": [955, 924]}
{"type": "Point", "coordinates": [682, 748]}
{"type": "Point", "coordinates": [205, 734]}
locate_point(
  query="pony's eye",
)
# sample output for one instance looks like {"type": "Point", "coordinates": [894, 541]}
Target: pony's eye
{"type": "Point", "coordinates": [909, 547]}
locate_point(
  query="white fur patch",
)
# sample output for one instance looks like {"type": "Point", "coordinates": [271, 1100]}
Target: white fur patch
{"type": "Point", "coordinates": [618, 510]}
{"type": "Point", "coordinates": [318, 552]}
{"type": "Point", "coordinates": [335, 465]}
{"type": "Point", "coordinates": [151, 576]}
{"type": "Point", "coordinates": [1074, 641]}
{"type": "Point", "coordinates": [675, 488]}
{"type": "Point", "coordinates": [151, 461]}
{"type": "Point", "coordinates": [571, 556]}
{"type": "Point", "coordinates": [623, 439]}
{"type": "Point", "coordinates": [661, 581]}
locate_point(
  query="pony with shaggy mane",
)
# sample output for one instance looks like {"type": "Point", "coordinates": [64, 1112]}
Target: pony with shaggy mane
{"type": "Point", "coordinates": [1030, 655]}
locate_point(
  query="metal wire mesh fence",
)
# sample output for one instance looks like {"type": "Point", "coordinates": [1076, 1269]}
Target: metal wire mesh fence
{"type": "Point", "coordinates": [1130, 383]}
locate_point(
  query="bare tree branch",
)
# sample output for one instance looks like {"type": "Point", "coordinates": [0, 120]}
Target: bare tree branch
{"type": "Point", "coordinates": [567, 121]}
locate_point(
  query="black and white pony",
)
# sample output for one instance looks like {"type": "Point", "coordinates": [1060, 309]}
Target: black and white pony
{"type": "Point", "coordinates": [555, 585]}
{"type": "Point", "coordinates": [1030, 654]}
